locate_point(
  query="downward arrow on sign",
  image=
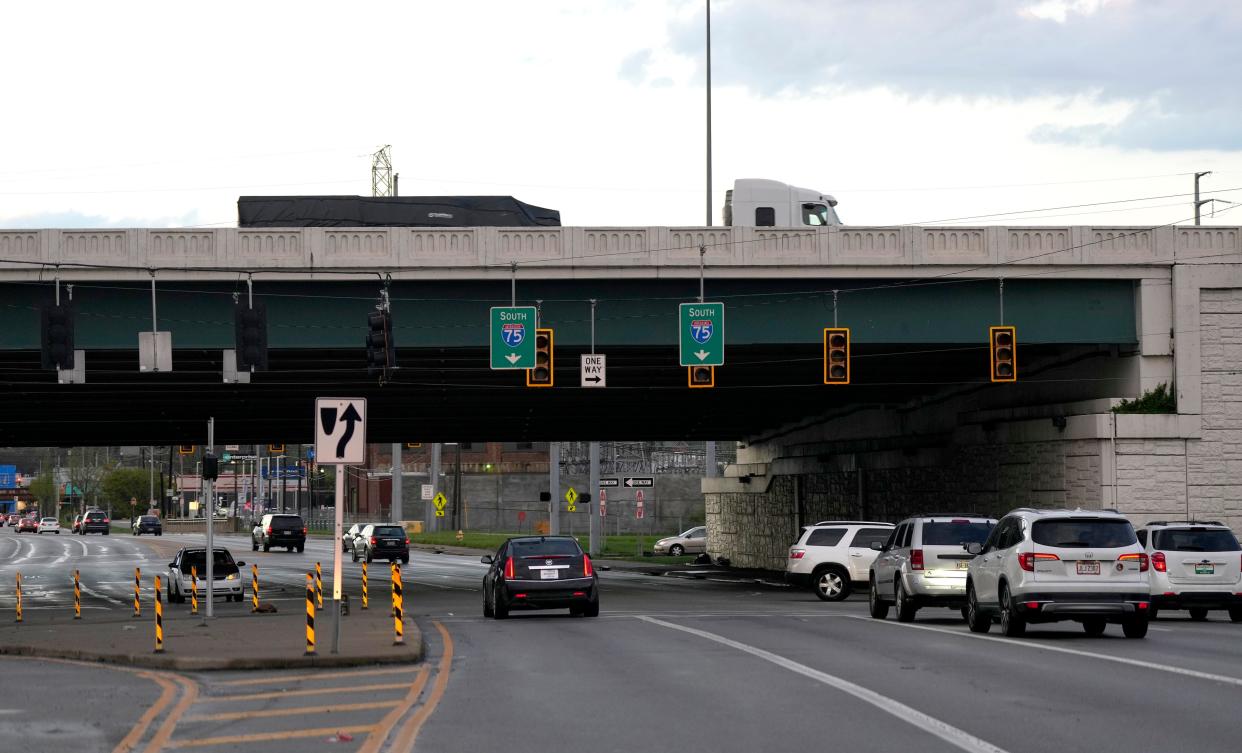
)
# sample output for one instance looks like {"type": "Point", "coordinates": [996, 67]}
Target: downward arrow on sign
{"type": "Point", "coordinates": [702, 354]}
{"type": "Point", "coordinates": [513, 358]}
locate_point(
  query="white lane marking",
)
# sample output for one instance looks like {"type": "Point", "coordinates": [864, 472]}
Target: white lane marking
{"type": "Point", "coordinates": [1062, 650]}
{"type": "Point", "coordinates": [104, 597]}
{"type": "Point", "coordinates": [943, 730]}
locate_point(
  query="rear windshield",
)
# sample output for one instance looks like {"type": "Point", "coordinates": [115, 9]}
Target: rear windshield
{"type": "Point", "coordinates": [955, 533]}
{"type": "Point", "coordinates": [95, 516]}
{"type": "Point", "coordinates": [149, 519]}
{"type": "Point", "coordinates": [1195, 540]}
{"type": "Point", "coordinates": [544, 547]}
{"type": "Point", "coordinates": [1081, 533]}
{"type": "Point", "coordinates": [825, 537]}
{"type": "Point", "coordinates": [286, 521]}
{"type": "Point", "coordinates": [389, 531]}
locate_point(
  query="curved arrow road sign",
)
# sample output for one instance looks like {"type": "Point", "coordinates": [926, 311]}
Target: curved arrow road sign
{"type": "Point", "coordinates": [340, 430]}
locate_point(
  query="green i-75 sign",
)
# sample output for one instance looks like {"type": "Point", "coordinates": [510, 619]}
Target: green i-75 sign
{"type": "Point", "coordinates": [701, 334]}
{"type": "Point", "coordinates": [513, 337]}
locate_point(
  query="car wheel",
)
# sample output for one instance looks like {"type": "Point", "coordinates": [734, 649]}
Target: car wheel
{"type": "Point", "coordinates": [1152, 613]}
{"type": "Point", "coordinates": [1094, 628]}
{"type": "Point", "coordinates": [266, 547]}
{"type": "Point", "coordinates": [487, 606]}
{"type": "Point", "coordinates": [301, 548]}
{"type": "Point", "coordinates": [831, 584]}
{"type": "Point", "coordinates": [877, 605]}
{"type": "Point", "coordinates": [1235, 614]}
{"type": "Point", "coordinates": [1135, 627]}
{"type": "Point", "coordinates": [369, 556]}
{"type": "Point", "coordinates": [676, 550]}
{"type": "Point", "coordinates": [405, 560]}
{"type": "Point", "coordinates": [254, 545]}
{"type": "Point", "coordinates": [499, 610]}
{"type": "Point", "coordinates": [905, 607]}
{"type": "Point", "coordinates": [1198, 614]}
{"type": "Point", "coordinates": [591, 609]}
{"type": "Point", "coordinates": [353, 555]}
{"type": "Point", "coordinates": [976, 619]}
{"type": "Point", "coordinates": [1012, 624]}
{"type": "Point", "coordinates": [105, 533]}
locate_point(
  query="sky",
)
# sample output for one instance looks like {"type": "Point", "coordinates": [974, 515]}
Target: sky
{"type": "Point", "coordinates": [140, 114]}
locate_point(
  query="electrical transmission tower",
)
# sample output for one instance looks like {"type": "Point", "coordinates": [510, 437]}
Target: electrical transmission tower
{"type": "Point", "coordinates": [381, 172]}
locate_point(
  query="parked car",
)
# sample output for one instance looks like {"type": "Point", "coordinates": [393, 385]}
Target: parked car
{"type": "Point", "coordinates": [923, 564]}
{"type": "Point", "coordinates": [383, 542]}
{"type": "Point", "coordinates": [693, 541]}
{"type": "Point", "coordinates": [540, 572]}
{"type": "Point", "coordinates": [347, 538]}
{"type": "Point", "coordinates": [225, 574]}
{"type": "Point", "coordinates": [27, 525]}
{"type": "Point", "coordinates": [148, 524]}
{"type": "Point", "coordinates": [95, 520]}
{"type": "Point", "coordinates": [1195, 565]}
{"type": "Point", "coordinates": [48, 525]}
{"type": "Point", "coordinates": [834, 558]}
{"type": "Point", "coordinates": [1042, 566]}
{"type": "Point", "coordinates": [279, 529]}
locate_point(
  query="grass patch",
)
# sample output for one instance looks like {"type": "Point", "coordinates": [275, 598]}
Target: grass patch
{"type": "Point", "coordinates": [615, 547]}
{"type": "Point", "coordinates": [1159, 399]}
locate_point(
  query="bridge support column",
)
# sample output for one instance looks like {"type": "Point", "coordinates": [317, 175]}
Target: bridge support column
{"type": "Point", "coordinates": [554, 488]}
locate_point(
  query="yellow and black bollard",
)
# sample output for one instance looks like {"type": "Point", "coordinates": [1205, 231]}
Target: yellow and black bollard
{"type": "Point", "coordinates": [310, 615]}
{"type": "Point", "coordinates": [364, 585]}
{"type": "Point", "coordinates": [254, 588]}
{"type": "Point", "coordinates": [137, 591]}
{"type": "Point", "coordinates": [318, 586]}
{"type": "Point", "coordinates": [19, 597]}
{"type": "Point", "coordinates": [398, 611]}
{"type": "Point", "coordinates": [159, 618]}
{"type": "Point", "coordinates": [77, 596]}
{"type": "Point", "coordinates": [193, 589]}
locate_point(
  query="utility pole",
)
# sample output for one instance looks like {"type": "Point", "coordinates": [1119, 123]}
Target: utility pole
{"type": "Point", "coordinates": [457, 511]}
{"type": "Point", "coordinates": [381, 172]}
{"type": "Point", "coordinates": [397, 513]}
{"type": "Point", "coordinates": [433, 522]}
{"type": "Point", "coordinates": [1199, 203]}
{"type": "Point", "coordinates": [554, 488]}
{"type": "Point", "coordinates": [709, 113]}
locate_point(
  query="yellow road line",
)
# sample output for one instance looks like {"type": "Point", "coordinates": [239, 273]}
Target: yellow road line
{"type": "Point", "coordinates": [316, 677]}
{"type": "Point", "coordinates": [408, 734]}
{"type": "Point", "coordinates": [380, 732]}
{"type": "Point", "coordinates": [168, 691]}
{"type": "Point", "coordinates": [189, 694]}
{"type": "Point", "coordinates": [231, 715]}
{"type": "Point", "coordinates": [311, 691]}
{"type": "Point", "coordinates": [264, 736]}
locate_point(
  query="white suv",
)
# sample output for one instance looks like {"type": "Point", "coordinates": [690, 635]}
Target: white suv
{"type": "Point", "coordinates": [923, 563]}
{"type": "Point", "coordinates": [834, 557]}
{"type": "Point", "coordinates": [1195, 565]}
{"type": "Point", "coordinates": [1050, 565]}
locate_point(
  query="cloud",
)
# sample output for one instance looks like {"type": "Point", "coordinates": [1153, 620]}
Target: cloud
{"type": "Point", "coordinates": [1172, 62]}
{"type": "Point", "coordinates": [74, 219]}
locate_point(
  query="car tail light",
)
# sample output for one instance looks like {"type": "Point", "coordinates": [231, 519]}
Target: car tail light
{"type": "Point", "coordinates": [1141, 557]}
{"type": "Point", "coordinates": [1027, 560]}
{"type": "Point", "coordinates": [106, 520]}
{"type": "Point", "coordinates": [579, 593]}
{"type": "Point", "coordinates": [509, 567]}
{"type": "Point", "coordinates": [519, 596]}
{"type": "Point", "coordinates": [269, 530]}
{"type": "Point", "coordinates": [1032, 605]}
{"type": "Point", "coordinates": [587, 570]}
{"type": "Point", "coordinates": [372, 541]}
{"type": "Point", "coordinates": [303, 530]}
{"type": "Point", "coordinates": [1141, 605]}
{"type": "Point", "coordinates": [796, 554]}
{"type": "Point", "coordinates": [1159, 563]}
{"type": "Point", "coordinates": [916, 559]}
{"type": "Point", "coordinates": [407, 540]}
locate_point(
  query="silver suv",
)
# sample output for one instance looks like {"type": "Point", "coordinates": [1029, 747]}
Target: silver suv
{"type": "Point", "coordinates": [1049, 565]}
{"type": "Point", "coordinates": [1195, 565]}
{"type": "Point", "coordinates": [834, 557]}
{"type": "Point", "coordinates": [923, 563]}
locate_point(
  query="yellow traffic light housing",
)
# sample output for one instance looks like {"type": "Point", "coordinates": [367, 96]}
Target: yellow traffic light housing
{"type": "Point", "coordinates": [413, 445]}
{"type": "Point", "coordinates": [542, 374]}
{"type": "Point", "coordinates": [836, 355]}
{"type": "Point", "coordinates": [185, 449]}
{"type": "Point", "coordinates": [699, 377]}
{"type": "Point", "coordinates": [1003, 353]}
{"type": "Point", "coordinates": [276, 449]}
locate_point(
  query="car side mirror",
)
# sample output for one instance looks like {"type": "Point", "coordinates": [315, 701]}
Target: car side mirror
{"type": "Point", "coordinates": [877, 545]}
{"type": "Point", "coordinates": [486, 559]}
{"type": "Point", "coordinates": [241, 564]}
{"type": "Point", "coordinates": [172, 565]}
{"type": "Point", "coordinates": [974, 548]}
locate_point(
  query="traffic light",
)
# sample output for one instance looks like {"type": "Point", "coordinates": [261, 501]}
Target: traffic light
{"type": "Point", "coordinates": [381, 350]}
{"type": "Point", "coordinates": [413, 445]}
{"type": "Point", "coordinates": [836, 355]}
{"type": "Point", "coordinates": [698, 377]}
{"type": "Point", "coordinates": [250, 336]}
{"type": "Point", "coordinates": [541, 375]}
{"type": "Point", "coordinates": [185, 449]}
{"type": "Point", "coordinates": [276, 449]}
{"type": "Point", "coordinates": [56, 336]}
{"type": "Point", "coordinates": [211, 467]}
{"type": "Point", "coordinates": [1003, 351]}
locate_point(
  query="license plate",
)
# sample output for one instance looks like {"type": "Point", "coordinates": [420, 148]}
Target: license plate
{"type": "Point", "coordinates": [1088, 568]}
{"type": "Point", "coordinates": [390, 542]}
{"type": "Point", "coordinates": [1205, 569]}
{"type": "Point", "coordinates": [963, 564]}
{"type": "Point", "coordinates": [547, 574]}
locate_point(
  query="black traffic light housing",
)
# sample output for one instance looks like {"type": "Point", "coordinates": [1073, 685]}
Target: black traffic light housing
{"type": "Point", "coordinates": [56, 336]}
{"type": "Point", "coordinates": [543, 373]}
{"type": "Point", "coordinates": [545, 496]}
{"type": "Point", "coordinates": [381, 350]}
{"type": "Point", "coordinates": [836, 355]}
{"type": "Point", "coordinates": [1003, 353]}
{"type": "Point", "coordinates": [185, 449]}
{"type": "Point", "coordinates": [211, 467]}
{"type": "Point", "coordinates": [250, 336]}
{"type": "Point", "coordinates": [699, 377]}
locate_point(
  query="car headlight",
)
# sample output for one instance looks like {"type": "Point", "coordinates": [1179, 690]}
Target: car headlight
{"type": "Point", "coordinates": [231, 576]}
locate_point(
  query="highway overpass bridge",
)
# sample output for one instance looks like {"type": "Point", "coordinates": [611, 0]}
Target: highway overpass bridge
{"type": "Point", "coordinates": [1102, 313]}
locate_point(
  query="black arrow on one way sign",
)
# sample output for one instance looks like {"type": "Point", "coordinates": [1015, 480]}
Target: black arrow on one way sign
{"type": "Point", "coordinates": [350, 417]}
{"type": "Point", "coordinates": [592, 379]}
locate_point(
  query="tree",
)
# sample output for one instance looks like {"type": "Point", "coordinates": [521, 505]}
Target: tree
{"type": "Point", "coordinates": [120, 485]}
{"type": "Point", "coordinates": [85, 474]}
{"type": "Point", "coordinates": [43, 488]}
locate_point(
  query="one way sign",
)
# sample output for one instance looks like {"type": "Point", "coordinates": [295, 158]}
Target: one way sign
{"type": "Point", "coordinates": [594, 370]}
{"type": "Point", "coordinates": [341, 430]}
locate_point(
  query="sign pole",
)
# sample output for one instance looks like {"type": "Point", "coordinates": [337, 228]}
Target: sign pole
{"type": "Point", "coordinates": [336, 559]}
{"type": "Point", "coordinates": [211, 519]}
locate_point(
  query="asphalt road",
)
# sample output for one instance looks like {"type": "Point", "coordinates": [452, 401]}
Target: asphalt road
{"type": "Point", "coordinates": [671, 664]}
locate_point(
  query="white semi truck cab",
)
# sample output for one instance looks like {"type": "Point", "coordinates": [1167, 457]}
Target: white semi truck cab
{"type": "Point", "coordinates": [754, 202]}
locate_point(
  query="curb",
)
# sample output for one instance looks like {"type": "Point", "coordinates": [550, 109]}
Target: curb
{"type": "Point", "coordinates": [202, 664]}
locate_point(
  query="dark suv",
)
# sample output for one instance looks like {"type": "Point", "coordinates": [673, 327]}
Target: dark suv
{"type": "Point", "coordinates": [382, 542]}
{"type": "Point", "coordinates": [148, 524]}
{"type": "Point", "coordinates": [95, 520]}
{"type": "Point", "coordinates": [276, 529]}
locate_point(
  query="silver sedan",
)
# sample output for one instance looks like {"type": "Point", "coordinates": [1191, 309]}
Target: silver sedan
{"type": "Point", "coordinates": [693, 541]}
